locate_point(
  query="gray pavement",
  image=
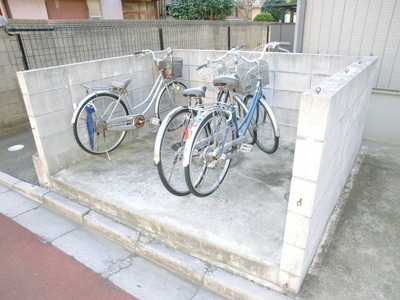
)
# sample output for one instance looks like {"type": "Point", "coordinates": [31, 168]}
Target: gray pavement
{"type": "Point", "coordinates": [359, 258]}
{"type": "Point", "coordinates": [19, 163]}
{"type": "Point", "coordinates": [137, 276]}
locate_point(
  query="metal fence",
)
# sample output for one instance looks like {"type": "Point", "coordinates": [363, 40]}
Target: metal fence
{"type": "Point", "coordinates": [49, 43]}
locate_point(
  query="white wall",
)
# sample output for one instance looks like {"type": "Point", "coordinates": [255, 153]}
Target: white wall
{"type": "Point", "coordinates": [111, 9]}
{"type": "Point", "coordinates": [383, 118]}
{"type": "Point", "coordinates": [358, 27]}
{"type": "Point", "coordinates": [28, 9]}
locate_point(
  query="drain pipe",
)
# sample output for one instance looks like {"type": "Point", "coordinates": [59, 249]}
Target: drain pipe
{"type": "Point", "coordinates": [11, 31]}
{"type": "Point", "coordinates": [299, 29]}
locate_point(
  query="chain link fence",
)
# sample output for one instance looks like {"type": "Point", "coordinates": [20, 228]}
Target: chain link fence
{"type": "Point", "coordinates": [32, 44]}
{"type": "Point", "coordinates": [50, 43]}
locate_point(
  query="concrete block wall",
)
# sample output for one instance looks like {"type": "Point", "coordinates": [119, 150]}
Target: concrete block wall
{"type": "Point", "coordinates": [12, 110]}
{"type": "Point", "coordinates": [50, 95]}
{"type": "Point", "coordinates": [330, 129]}
{"type": "Point", "coordinates": [290, 76]}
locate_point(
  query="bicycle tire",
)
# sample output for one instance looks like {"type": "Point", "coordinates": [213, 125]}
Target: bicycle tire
{"type": "Point", "coordinates": [170, 98]}
{"type": "Point", "coordinates": [205, 172]}
{"type": "Point", "coordinates": [90, 125]}
{"type": "Point", "coordinates": [172, 144]}
{"type": "Point", "coordinates": [267, 140]}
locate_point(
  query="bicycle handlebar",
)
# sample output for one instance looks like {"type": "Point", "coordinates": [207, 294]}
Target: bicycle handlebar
{"type": "Point", "coordinates": [210, 61]}
{"type": "Point", "coordinates": [268, 46]}
{"type": "Point", "coordinates": [144, 52]}
{"type": "Point", "coordinates": [239, 47]}
{"type": "Point", "coordinates": [201, 66]}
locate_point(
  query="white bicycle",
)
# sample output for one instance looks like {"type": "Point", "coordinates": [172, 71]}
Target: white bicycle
{"type": "Point", "coordinates": [102, 118]}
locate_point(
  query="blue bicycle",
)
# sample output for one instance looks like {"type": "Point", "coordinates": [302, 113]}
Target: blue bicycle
{"type": "Point", "coordinates": [220, 132]}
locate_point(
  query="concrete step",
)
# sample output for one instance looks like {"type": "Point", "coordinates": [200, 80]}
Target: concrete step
{"type": "Point", "coordinates": [189, 268]}
{"type": "Point", "coordinates": [239, 229]}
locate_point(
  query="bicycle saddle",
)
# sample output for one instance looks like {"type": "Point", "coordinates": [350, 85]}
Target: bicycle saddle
{"type": "Point", "coordinates": [226, 80]}
{"type": "Point", "coordinates": [121, 84]}
{"type": "Point", "coordinates": [198, 92]}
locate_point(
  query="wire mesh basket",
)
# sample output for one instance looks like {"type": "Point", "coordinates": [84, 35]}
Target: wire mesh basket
{"type": "Point", "coordinates": [250, 72]}
{"type": "Point", "coordinates": [171, 69]}
{"type": "Point", "coordinates": [215, 69]}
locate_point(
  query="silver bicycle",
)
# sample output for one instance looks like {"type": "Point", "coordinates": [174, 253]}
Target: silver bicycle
{"type": "Point", "coordinates": [102, 118]}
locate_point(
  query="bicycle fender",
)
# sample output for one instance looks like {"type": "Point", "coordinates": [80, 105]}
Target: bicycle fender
{"type": "Point", "coordinates": [157, 103]}
{"type": "Point", "coordinates": [160, 133]}
{"type": "Point", "coordinates": [189, 141]}
{"type": "Point", "coordinates": [81, 103]}
{"type": "Point", "coordinates": [273, 119]}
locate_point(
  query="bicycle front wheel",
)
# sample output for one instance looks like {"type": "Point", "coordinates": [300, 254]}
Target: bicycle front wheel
{"type": "Point", "coordinates": [91, 126]}
{"type": "Point", "coordinates": [170, 98]}
{"type": "Point", "coordinates": [267, 139]}
{"type": "Point", "coordinates": [173, 141]}
{"type": "Point", "coordinates": [208, 164]}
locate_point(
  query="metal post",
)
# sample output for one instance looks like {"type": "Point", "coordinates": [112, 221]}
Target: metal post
{"type": "Point", "coordinates": [299, 29]}
{"type": "Point", "coordinates": [21, 46]}
{"type": "Point", "coordinates": [229, 37]}
{"type": "Point", "coordinates": [160, 35]}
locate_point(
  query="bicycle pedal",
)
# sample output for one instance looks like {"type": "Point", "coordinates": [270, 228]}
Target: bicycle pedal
{"type": "Point", "coordinates": [155, 121]}
{"type": "Point", "coordinates": [246, 148]}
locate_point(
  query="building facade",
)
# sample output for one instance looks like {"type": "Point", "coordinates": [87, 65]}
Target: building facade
{"type": "Point", "coordinates": [83, 9]}
{"type": "Point", "coordinates": [358, 27]}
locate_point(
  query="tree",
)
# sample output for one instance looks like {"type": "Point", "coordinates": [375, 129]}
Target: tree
{"type": "Point", "coordinates": [264, 17]}
{"type": "Point", "coordinates": [201, 9]}
{"type": "Point", "coordinates": [244, 8]}
{"type": "Point", "coordinates": [274, 11]}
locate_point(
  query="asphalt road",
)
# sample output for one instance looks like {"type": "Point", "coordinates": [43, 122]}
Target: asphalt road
{"type": "Point", "coordinates": [19, 163]}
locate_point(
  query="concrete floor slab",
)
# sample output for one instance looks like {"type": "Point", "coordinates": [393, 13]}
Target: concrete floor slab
{"type": "Point", "coordinates": [361, 260]}
{"type": "Point", "coordinates": [241, 223]}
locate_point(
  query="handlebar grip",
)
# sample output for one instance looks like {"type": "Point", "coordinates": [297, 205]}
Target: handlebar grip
{"type": "Point", "coordinates": [201, 66]}
{"type": "Point", "coordinates": [137, 53]}
{"type": "Point", "coordinates": [284, 43]}
{"type": "Point", "coordinates": [239, 47]}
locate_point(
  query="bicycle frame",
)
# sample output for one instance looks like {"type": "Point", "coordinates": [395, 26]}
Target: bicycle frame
{"type": "Point", "coordinates": [245, 124]}
{"type": "Point", "coordinates": [120, 124]}
{"type": "Point", "coordinates": [241, 128]}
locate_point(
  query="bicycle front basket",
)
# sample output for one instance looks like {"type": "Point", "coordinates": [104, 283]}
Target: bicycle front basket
{"type": "Point", "coordinates": [249, 77]}
{"type": "Point", "coordinates": [218, 68]}
{"type": "Point", "coordinates": [177, 65]}
{"type": "Point", "coordinates": [171, 69]}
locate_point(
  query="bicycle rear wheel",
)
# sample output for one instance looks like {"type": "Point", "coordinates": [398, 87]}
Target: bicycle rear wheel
{"type": "Point", "coordinates": [267, 139]}
{"type": "Point", "coordinates": [91, 123]}
{"type": "Point", "coordinates": [173, 141]}
{"type": "Point", "coordinates": [170, 98]}
{"type": "Point", "coordinates": [208, 165]}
